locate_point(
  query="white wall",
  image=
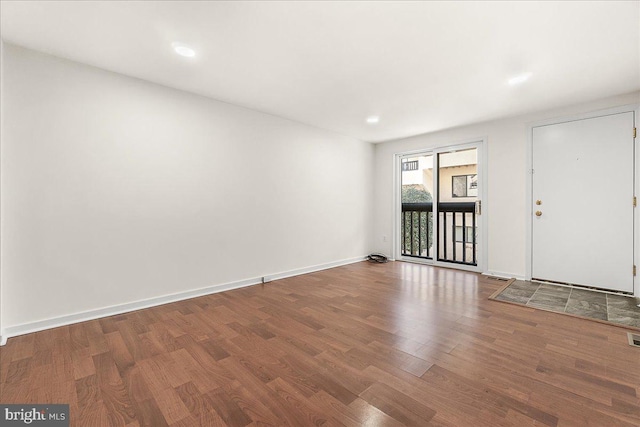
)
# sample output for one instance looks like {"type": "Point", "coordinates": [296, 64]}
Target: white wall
{"type": "Point", "coordinates": [117, 190]}
{"type": "Point", "coordinates": [507, 175]}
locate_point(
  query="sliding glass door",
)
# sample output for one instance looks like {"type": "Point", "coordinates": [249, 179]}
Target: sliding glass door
{"type": "Point", "coordinates": [440, 206]}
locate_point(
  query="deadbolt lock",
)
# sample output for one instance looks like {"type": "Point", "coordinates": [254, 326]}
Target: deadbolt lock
{"type": "Point", "coordinates": [538, 202]}
{"type": "Point", "coordinates": [538, 213]}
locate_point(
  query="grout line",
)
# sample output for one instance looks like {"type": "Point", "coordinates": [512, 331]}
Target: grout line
{"type": "Point", "coordinates": [568, 298]}
{"type": "Point", "coordinates": [531, 297]}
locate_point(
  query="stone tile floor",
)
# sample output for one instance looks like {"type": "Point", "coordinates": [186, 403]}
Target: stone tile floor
{"type": "Point", "coordinates": [619, 309]}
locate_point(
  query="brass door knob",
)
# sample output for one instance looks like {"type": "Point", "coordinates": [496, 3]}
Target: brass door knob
{"type": "Point", "coordinates": [538, 213]}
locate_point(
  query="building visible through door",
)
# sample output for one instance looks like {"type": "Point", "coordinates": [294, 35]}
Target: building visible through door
{"type": "Point", "coordinates": [457, 196]}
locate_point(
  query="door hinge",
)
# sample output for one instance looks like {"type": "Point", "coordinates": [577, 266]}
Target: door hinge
{"type": "Point", "coordinates": [634, 133]}
{"type": "Point", "coordinates": [635, 201]}
{"type": "Point", "coordinates": [634, 270]}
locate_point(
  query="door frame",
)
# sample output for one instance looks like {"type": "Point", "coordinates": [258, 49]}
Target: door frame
{"type": "Point", "coordinates": [482, 242]}
{"type": "Point", "coordinates": [529, 206]}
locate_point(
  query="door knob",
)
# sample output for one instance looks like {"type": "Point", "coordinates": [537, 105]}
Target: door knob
{"type": "Point", "coordinates": [538, 213]}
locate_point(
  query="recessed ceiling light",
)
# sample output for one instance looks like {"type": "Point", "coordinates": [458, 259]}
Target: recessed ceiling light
{"type": "Point", "coordinates": [519, 79]}
{"type": "Point", "coordinates": [183, 50]}
{"type": "Point", "coordinates": [373, 119]}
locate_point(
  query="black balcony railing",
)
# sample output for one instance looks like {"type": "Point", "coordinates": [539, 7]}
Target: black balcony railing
{"type": "Point", "coordinates": [458, 247]}
{"type": "Point", "coordinates": [417, 230]}
{"type": "Point", "coordinates": [457, 232]}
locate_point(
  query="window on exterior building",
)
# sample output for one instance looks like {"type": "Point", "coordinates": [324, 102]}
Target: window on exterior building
{"type": "Point", "coordinates": [410, 165]}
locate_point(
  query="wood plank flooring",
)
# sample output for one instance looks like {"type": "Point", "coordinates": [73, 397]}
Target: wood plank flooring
{"type": "Point", "coordinates": [360, 345]}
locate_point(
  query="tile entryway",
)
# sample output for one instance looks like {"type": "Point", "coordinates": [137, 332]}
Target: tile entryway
{"type": "Point", "coordinates": [618, 309]}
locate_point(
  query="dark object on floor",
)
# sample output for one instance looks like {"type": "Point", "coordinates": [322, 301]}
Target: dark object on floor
{"type": "Point", "coordinates": [377, 258]}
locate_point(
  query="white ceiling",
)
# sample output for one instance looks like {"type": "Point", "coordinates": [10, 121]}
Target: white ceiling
{"type": "Point", "coordinates": [420, 66]}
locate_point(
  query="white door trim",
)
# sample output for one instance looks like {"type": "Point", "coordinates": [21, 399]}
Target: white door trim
{"type": "Point", "coordinates": [481, 145]}
{"type": "Point", "coordinates": [635, 108]}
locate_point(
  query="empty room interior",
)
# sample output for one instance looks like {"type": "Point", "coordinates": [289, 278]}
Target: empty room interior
{"type": "Point", "coordinates": [349, 213]}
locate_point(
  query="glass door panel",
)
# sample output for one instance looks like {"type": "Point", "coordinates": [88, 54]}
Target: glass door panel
{"type": "Point", "coordinates": [457, 196]}
{"type": "Point", "coordinates": [417, 233]}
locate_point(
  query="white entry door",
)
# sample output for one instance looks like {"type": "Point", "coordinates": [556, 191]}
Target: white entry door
{"type": "Point", "coordinates": [583, 189]}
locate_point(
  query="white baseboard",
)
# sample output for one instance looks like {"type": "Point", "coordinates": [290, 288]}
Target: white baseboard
{"type": "Point", "coordinates": [27, 328]}
{"type": "Point", "coordinates": [312, 268]}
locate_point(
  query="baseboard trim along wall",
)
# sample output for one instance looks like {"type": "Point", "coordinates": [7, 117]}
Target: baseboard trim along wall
{"type": "Point", "coordinates": [56, 322]}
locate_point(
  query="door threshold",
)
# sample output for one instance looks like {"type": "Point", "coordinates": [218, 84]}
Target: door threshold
{"type": "Point", "coordinates": [578, 286]}
{"type": "Point", "coordinates": [451, 266]}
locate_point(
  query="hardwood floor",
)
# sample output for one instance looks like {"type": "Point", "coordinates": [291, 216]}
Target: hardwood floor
{"type": "Point", "coordinates": [361, 345]}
